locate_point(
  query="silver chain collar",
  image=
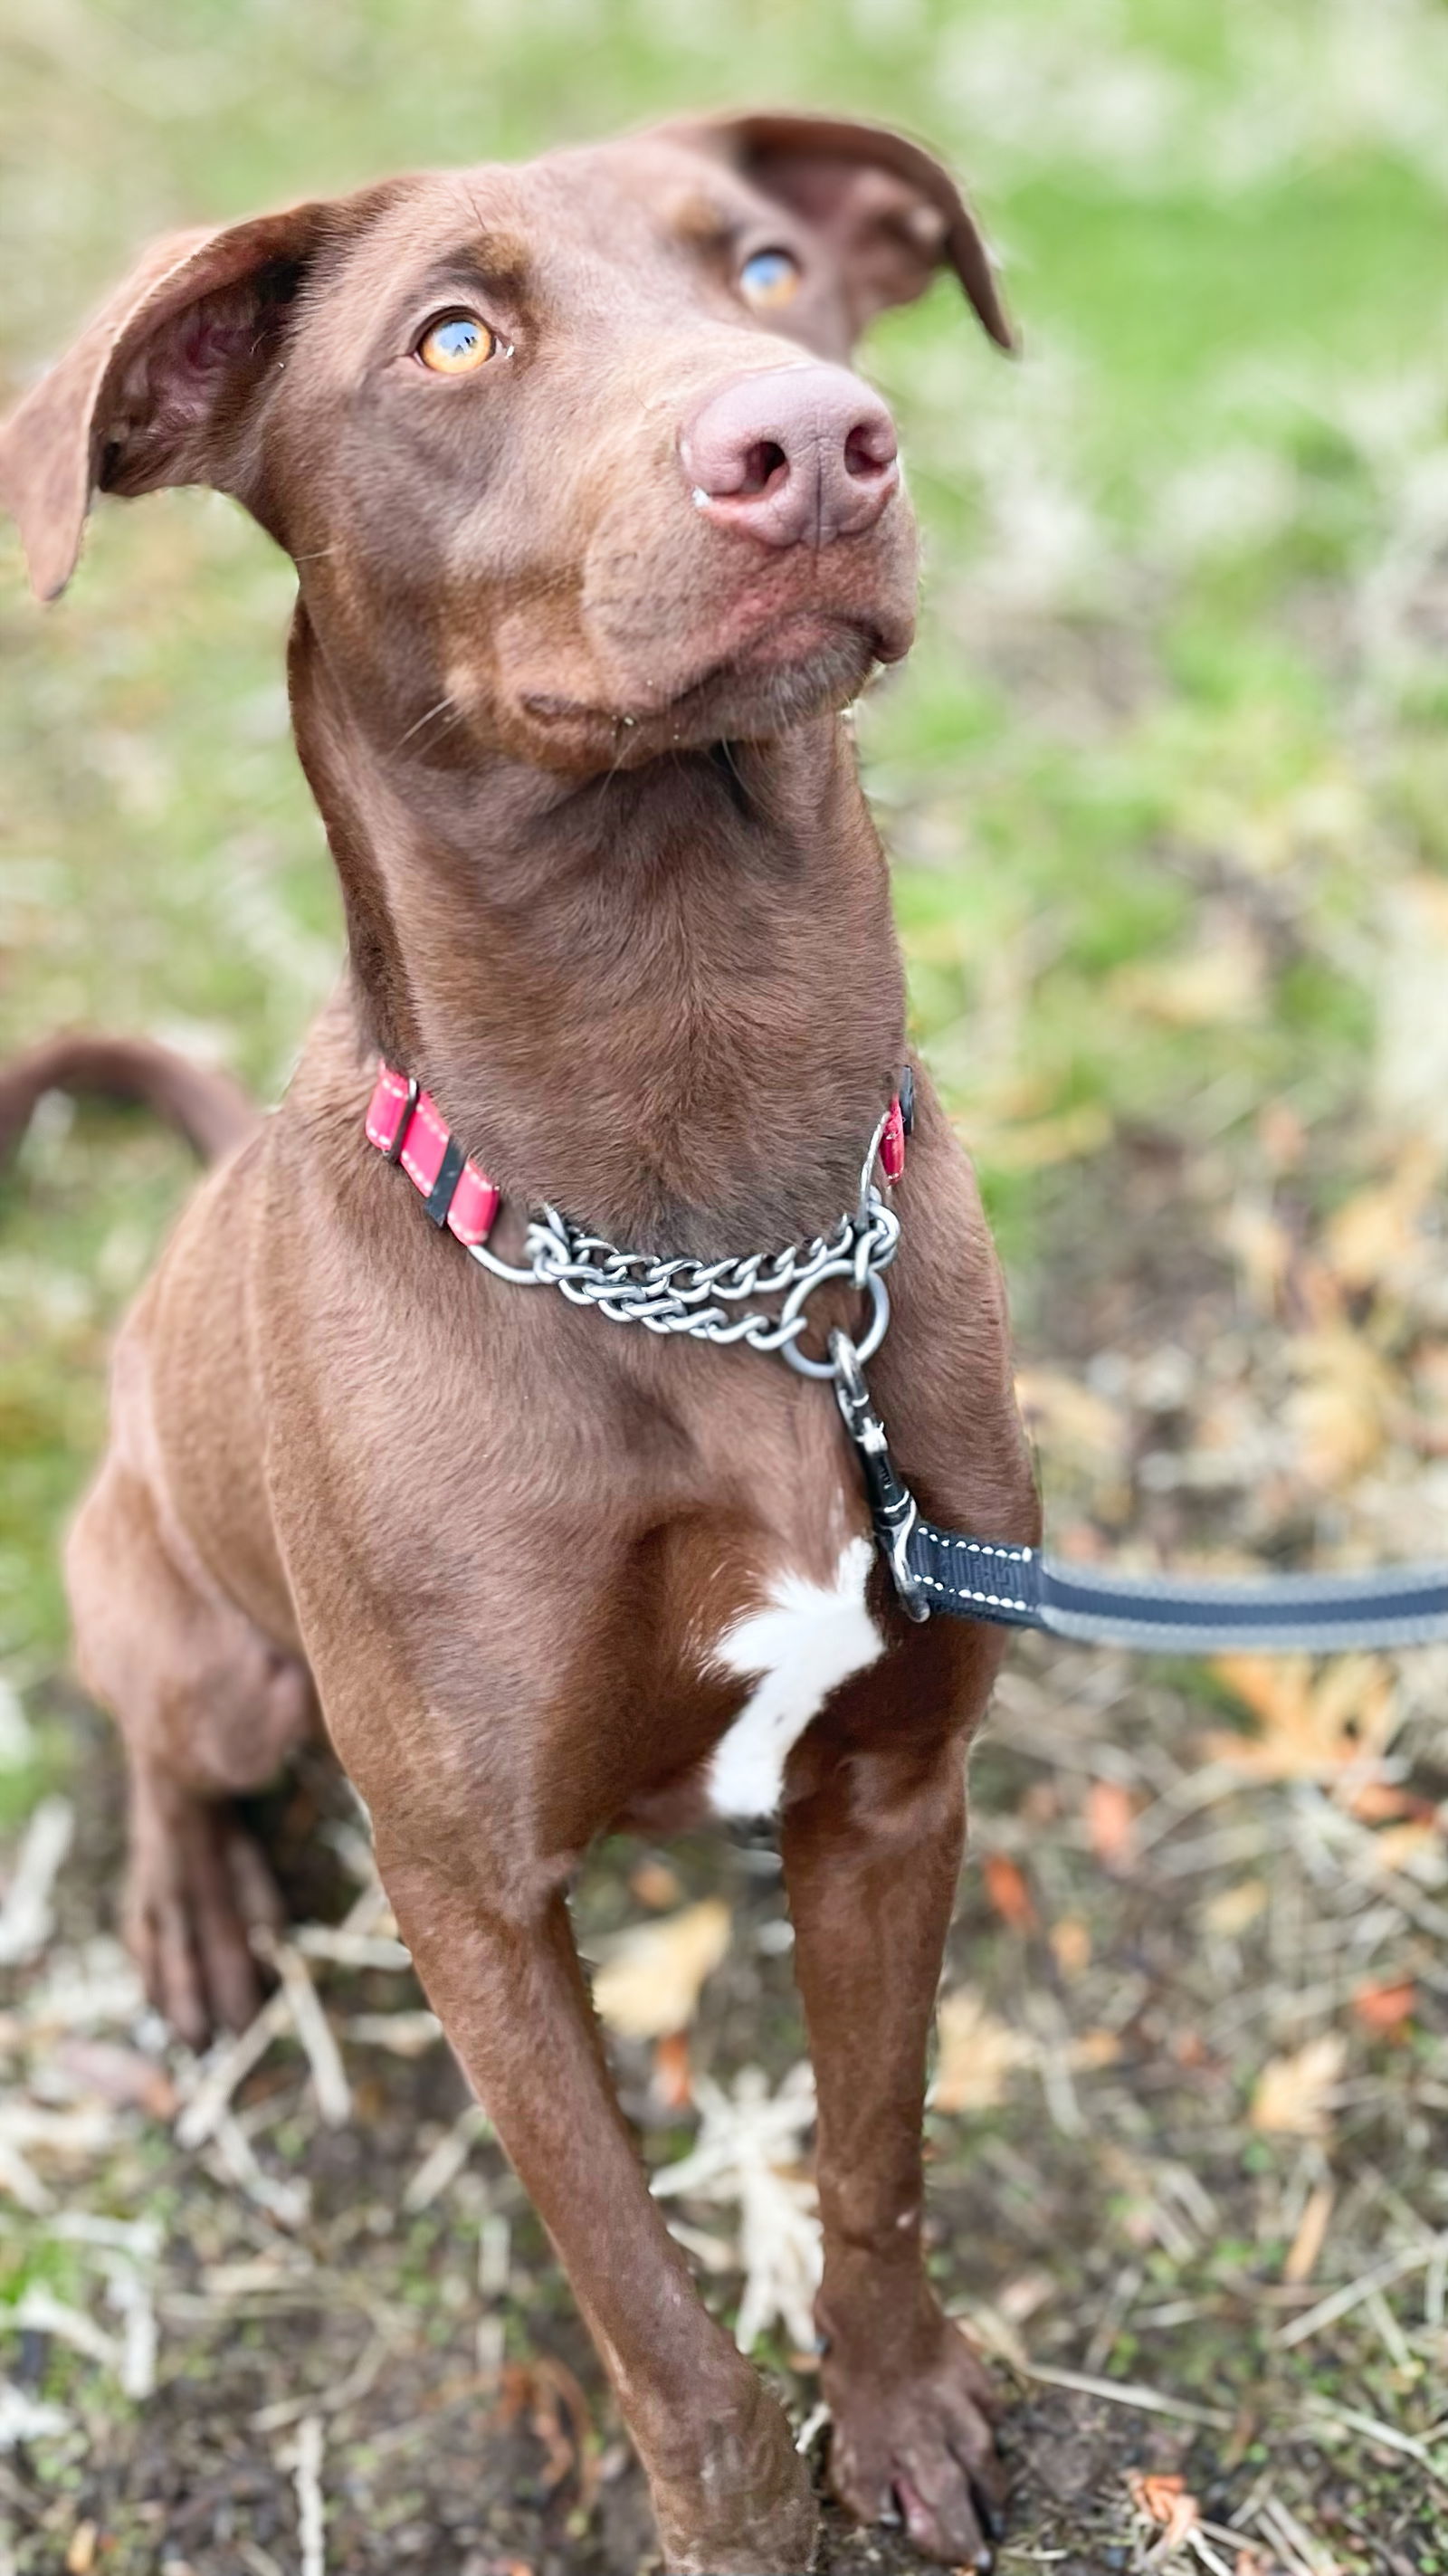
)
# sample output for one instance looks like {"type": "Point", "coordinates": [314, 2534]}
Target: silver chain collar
{"type": "Point", "coordinates": [700, 1297]}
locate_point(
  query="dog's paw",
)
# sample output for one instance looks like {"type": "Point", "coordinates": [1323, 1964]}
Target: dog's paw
{"type": "Point", "coordinates": [913, 2446]}
{"type": "Point", "coordinates": [744, 2506]}
{"type": "Point", "coordinates": [197, 1890]}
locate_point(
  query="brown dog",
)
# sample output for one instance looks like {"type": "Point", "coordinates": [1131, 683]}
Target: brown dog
{"type": "Point", "coordinates": [596, 536]}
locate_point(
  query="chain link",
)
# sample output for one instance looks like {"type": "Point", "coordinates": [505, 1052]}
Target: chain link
{"type": "Point", "coordinates": [696, 1297]}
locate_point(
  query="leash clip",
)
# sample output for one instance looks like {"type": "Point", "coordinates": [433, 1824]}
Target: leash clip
{"type": "Point", "coordinates": [893, 1507]}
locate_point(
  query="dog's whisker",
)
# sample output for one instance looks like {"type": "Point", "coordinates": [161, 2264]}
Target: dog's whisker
{"type": "Point", "coordinates": [446, 701]}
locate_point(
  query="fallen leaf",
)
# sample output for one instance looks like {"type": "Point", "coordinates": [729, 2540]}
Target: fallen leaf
{"type": "Point", "coordinates": [1221, 981]}
{"type": "Point", "coordinates": [1311, 2235]}
{"type": "Point", "coordinates": [1407, 1850]}
{"type": "Point", "coordinates": [673, 2074]}
{"type": "Point", "coordinates": [1093, 2049]}
{"type": "Point", "coordinates": [649, 1985]}
{"type": "Point", "coordinates": [1071, 1942]}
{"type": "Point", "coordinates": [655, 1885]}
{"type": "Point", "coordinates": [1342, 1405]}
{"type": "Point", "coordinates": [545, 2393]}
{"type": "Point", "coordinates": [1282, 1135]}
{"type": "Point", "coordinates": [1005, 1885]}
{"type": "Point", "coordinates": [1262, 1248]}
{"type": "Point", "coordinates": [1044, 1142]}
{"type": "Point", "coordinates": [978, 2054]}
{"type": "Point", "coordinates": [1409, 959]}
{"type": "Point", "coordinates": [1376, 1238]}
{"type": "Point", "coordinates": [1230, 1911]}
{"type": "Point", "coordinates": [748, 2151]}
{"type": "Point", "coordinates": [1384, 2008]}
{"type": "Point", "coordinates": [1310, 1729]}
{"type": "Point", "coordinates": [1111, 1825]}
{"type": "Point", "coordinates": [80, 2558]}
{"type": "Point", "coordinates": [1063, 1414]}
{"type": "Point", "coordinates": [1026, 2295]}
{"type": "Point", "coordinates": [1293, 2095]}
{"type": "Point", "coordinates": [117, 2074]}
{"type": "Point", "coordinates": [1377, 1802]}
{"type": "Point", "coordinates": [1164, 2499]}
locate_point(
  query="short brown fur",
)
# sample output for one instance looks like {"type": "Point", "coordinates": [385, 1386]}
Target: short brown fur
{"type": "Point", "coordinates": [613, 895]}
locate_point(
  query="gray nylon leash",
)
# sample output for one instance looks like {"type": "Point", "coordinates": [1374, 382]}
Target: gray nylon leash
{"type": "Point", "coordinates": [1019, 1587]}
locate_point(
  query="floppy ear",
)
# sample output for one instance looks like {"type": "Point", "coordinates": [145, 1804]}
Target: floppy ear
{"type": "Point", "coordinates": [891, 212]}
{"type": "Point", "coordinates": [160, 388]}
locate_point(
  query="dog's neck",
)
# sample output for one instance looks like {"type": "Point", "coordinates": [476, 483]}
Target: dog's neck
{"type": "Point", "coordinates": [669, 1000]}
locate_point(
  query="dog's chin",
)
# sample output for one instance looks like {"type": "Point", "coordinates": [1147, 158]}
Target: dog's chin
{"type": "Point", "coordinates": [799, 667]}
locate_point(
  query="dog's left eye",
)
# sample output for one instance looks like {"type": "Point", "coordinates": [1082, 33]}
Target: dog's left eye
{"type": "Point", "coordinates": [457, 343]}
{"type": "Point", "coordinates": [769, 277]}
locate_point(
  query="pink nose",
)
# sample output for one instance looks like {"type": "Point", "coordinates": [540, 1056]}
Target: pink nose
{"type": "Point", "coordinates": [794, 456]}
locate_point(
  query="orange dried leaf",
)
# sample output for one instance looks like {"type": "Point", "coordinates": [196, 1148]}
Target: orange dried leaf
{"type": "Point", "coordinates": [1376, 1236]}
{"type": "Point", "coordinates": [1095, 2049]}
{"type": "Point", "coordinates": [978, 2054]}
{"type": "Point", "coordinates": [1163, 2497]}
{"type": "Point", "coordinates": [1111, 1824]}
{"type": "Point", "coordinates": [1005, 1885]}
{"type": "Point", "coordinates": [1309, 1729]}
{"type": "Point", "coordinates": [655, 1885]}
{"type": "Point", "coordinates": [1384, 2008]}
{"type": "Point", "coordinates": [1293, 2095]}
{"type": "Point", "coordinates": [1375, 1802]}
{"type": "Point", "coordinates": [673, 2074]}
{"type": "Point", "coordinates": [1311, 2235]}
{"type": "Point", "coordinates": [1230, 1912]}
{"type": "Point", "coordinates": [1341, 1407]}
{"type": "Point", "coordinates": [649, 1985]}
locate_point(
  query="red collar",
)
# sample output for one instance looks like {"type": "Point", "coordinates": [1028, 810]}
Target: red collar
{"type": "Point", "coordinates": [404, 1123]}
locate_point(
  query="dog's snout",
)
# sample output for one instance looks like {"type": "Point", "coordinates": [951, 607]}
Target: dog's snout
{"type": "Point", "coordinates": [792, 456]}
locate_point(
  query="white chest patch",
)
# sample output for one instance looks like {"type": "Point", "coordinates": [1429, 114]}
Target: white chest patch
{"type": "Point", "coordinates": [808, 1638]}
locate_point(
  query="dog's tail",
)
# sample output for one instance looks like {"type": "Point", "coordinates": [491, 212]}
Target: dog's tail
{"type": "Point", "coordinates": [211, 1111]}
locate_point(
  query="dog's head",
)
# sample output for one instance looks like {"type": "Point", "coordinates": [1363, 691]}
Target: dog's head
{"type": "Point", "coordinates": [568, 455]}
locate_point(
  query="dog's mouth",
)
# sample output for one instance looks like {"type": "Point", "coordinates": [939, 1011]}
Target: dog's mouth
{"type": "Point", "coordinates": [794, 666]}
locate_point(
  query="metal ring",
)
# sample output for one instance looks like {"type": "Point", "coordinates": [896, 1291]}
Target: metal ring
{"type": "Point", "coordinates": [505, 1269]}
{"type": "Point", "coordinates": [865, 1348]}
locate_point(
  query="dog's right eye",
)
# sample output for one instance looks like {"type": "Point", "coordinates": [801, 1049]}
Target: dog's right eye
{"type": "Point", "coordinates": [769, 277]}
{"type": "Point", "coordinates": [457, 343]}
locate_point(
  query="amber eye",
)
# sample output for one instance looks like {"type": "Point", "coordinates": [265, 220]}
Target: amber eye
{"type": "Point", "coordinates": [769, 277]}
{"type": "Point", "coordinates": [457, 344]}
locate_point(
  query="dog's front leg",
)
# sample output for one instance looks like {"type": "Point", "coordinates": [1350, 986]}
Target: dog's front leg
{"type": "Point", "coordinates": [871, 1855]}
{"type": "Point", "coordinates": [730, 2493]}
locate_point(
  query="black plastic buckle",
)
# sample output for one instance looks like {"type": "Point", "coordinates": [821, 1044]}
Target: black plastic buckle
{"type": "Point", "coordinates": [893, 1508]}
{"type": "Point", "coordinates": [395, 1150]}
